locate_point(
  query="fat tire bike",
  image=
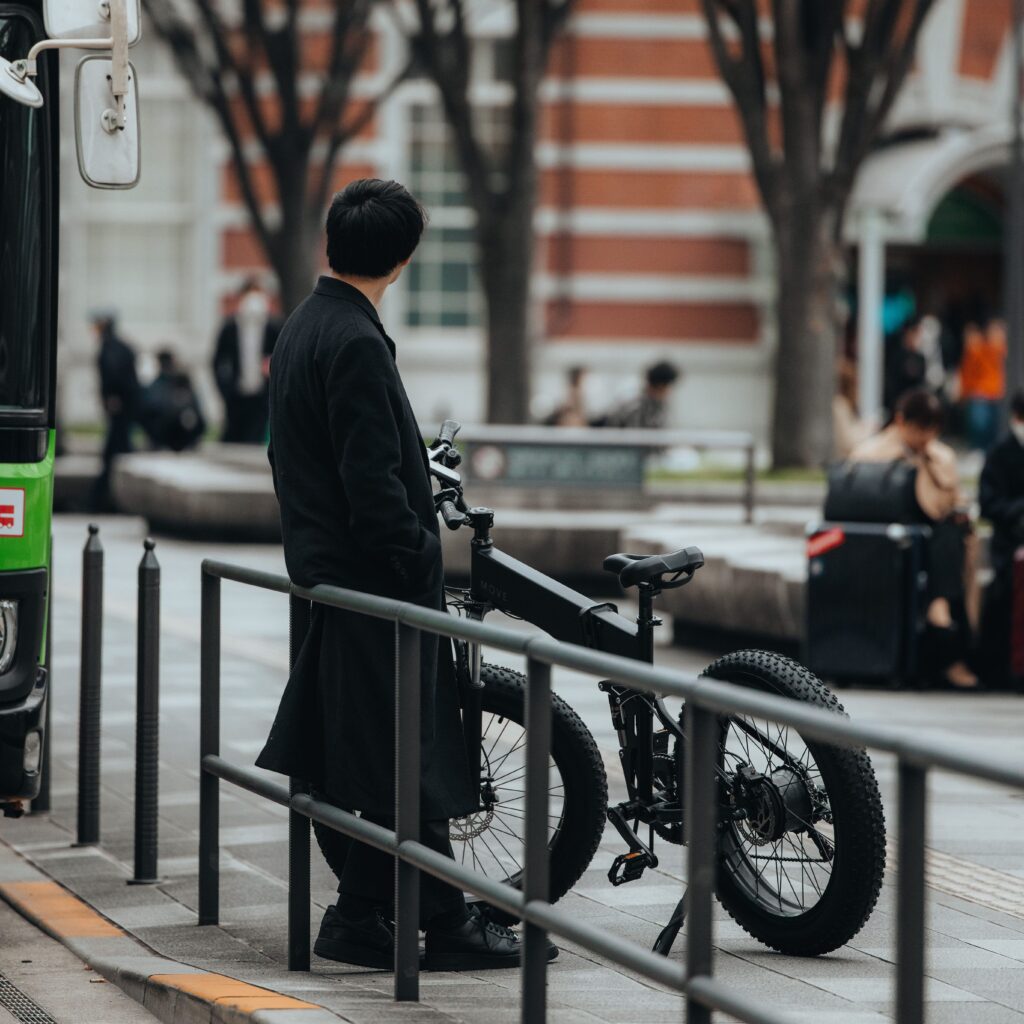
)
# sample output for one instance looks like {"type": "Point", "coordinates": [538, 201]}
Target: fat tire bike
{"type": "Point", "coordinates": [800, 824]}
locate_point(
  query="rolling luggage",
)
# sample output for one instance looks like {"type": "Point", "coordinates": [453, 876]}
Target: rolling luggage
{"type": "Point", "coordinates": [865, 600]}
{"type": "Point", "coordinates": [1017, 618]}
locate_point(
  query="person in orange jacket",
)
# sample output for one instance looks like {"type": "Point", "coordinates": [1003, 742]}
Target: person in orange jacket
{"type": "Point", "coordinates": [983, 380]}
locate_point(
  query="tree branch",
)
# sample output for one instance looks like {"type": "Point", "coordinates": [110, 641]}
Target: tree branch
{"type": "Point", "coordinates": [447, 58]}
{"type": "Point", "coordinates": [745, 78]}
{"type": "Point", "coordinates": [207, 83]}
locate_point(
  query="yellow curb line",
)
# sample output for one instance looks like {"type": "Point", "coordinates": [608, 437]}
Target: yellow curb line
{"type": "Point", "coordinates": [58, 911]}
{"type": "Point", "coordinates": [65, 916]}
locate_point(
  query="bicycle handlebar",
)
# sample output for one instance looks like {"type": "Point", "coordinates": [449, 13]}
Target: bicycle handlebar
{"type": "Point", "coordinates": [447, 433]}
{"type": "Point", "coordinates": [452, 517]}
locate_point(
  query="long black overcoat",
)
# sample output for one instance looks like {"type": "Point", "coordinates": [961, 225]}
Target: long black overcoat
{"type": "Point", "coordinates": [357, 511]}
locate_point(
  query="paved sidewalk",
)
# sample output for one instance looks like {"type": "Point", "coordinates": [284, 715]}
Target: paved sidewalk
{"type": "Point", "coordinates": [976, 965]}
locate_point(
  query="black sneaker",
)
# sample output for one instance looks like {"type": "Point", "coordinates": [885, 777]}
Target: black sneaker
{"type": "Point", "coordinates": [478, 944]}
{"type": "Point", "coordinates": [366, 942]}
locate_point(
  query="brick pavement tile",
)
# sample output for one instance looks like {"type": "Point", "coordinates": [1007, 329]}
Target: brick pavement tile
{"type": "Point", "coordinates": [972, 1013]}
{"type": "Point", "coordinates": [996, 984]}
{"type": "Point", "coordinates": [866, 990]}
{"type": "Point", "coordinates": [963, 955]}
{"type": "Point", "coordinates": [1012, 948]}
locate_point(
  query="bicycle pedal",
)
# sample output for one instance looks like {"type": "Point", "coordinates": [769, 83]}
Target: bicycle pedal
{"type": "Point", "coordinates": [628, 867]}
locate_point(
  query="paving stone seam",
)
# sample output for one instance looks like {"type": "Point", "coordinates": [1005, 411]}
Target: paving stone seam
{"type": "Point", "coordinates": [172, 991]}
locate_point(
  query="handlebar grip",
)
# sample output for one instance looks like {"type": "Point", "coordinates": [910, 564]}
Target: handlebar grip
{"type": "Point", "coordinates": [448, 431]}
{"type": "Point", "coordinates": [452, 517]}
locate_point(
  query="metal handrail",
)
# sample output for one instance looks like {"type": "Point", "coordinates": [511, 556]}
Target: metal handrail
{"type": "Point", "coordinates": [705, 700]}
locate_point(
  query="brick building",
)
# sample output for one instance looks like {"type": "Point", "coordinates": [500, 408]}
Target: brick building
{"type": "Point", "coordinates": [652, 244]}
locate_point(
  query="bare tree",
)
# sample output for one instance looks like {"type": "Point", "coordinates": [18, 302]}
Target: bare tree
{"type": "Point", "coordinates": [805, 170]}
{"type": "Point", "coordinates": [223, 51]}
{"type": "Point", "coordinates": [501, 180]}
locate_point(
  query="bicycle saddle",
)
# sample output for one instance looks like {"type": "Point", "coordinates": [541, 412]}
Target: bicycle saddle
{"type": "Point", "coordinates": [634, 570]}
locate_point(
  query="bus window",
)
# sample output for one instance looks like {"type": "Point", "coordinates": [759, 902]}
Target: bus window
{"type": "Point", "coordinates": [23, 348]}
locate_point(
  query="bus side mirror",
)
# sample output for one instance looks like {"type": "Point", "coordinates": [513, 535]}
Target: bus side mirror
{"type": "Point", "coordinates": [108, 144]}
{"type": "Point", "coordinates": [88, 19]}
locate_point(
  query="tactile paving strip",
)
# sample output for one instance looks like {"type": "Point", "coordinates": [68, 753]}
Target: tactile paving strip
{"type": "Point", "coordinates": [996, 890]}
{"type": "Point", "coordinates": [20, 1006]}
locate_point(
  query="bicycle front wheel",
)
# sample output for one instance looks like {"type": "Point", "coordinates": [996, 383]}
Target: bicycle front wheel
{"type": "Point", "coordinates": [492, 839]}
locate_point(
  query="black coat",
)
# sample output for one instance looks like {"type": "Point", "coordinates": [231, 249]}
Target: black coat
{"type": "Point", "coordinates": [226, 365]}
{"type": "Point", "coordinates": [119, 384]}
{"type": "Point", "coordinates": [1001, 496]}
{"type": "Point", "coordinates": [357, 511]}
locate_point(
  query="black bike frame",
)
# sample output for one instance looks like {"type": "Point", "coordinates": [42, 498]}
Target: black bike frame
{"type": "Point", "coordinates": [499, 581]}
{"type": "Point", "coordinates": [512, 586]}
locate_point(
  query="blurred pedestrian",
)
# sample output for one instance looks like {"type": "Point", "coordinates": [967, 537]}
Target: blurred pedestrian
{"type": "Point", "coordinates": [169, 408]}
{"type": "Point", "coordinates": [983, 380]}
{"type": "Point", "coordinates": [913, 437]}
{"type": "Point", "coordinates": [241, 365]}
{"type": "Point", "coordinates": [649, 408]}
{"type": "Point", "coordinates": [572, 410]}
{"type": "Point", "coordinates": [1001, 495]}
{"type": "Point", "coordinates": [907, 366]}
{"type": "Point", "coordinates": [119, 393]}
{"type": "Point", "coordinates": [848, 427]}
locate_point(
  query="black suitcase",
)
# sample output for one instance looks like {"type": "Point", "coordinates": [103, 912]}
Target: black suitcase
{"type": "Point", "coordinates": [865, 600]}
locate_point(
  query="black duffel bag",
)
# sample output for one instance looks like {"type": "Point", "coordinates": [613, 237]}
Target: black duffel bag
{"type": "Point", "coordinates": [872, 492]}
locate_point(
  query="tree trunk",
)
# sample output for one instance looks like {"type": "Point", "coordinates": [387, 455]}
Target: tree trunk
{"type": "Point", "coordinates": [295, 264]}
{"type": "Point", "coordinates": [506, 266]}
{"type": "Point", "coordinates": [808, 257]}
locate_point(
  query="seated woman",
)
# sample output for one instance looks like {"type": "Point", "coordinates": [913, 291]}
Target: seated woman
{"type": "Point", "coordinates": [913, 436]}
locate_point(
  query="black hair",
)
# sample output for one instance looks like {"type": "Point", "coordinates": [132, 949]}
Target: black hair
{"type": "Point", "coordinates": [372, 226]}
{"type": "Point", "coordinates": [166, 360]}
{"type": "Point", "coordinates": [661, 374]}
{"type": "Point", "coordinates": [575, 375]}
{"type": "Point", "coordinates": [920, 407]}
{"type": "Point", "coordinates": [1017, 405]}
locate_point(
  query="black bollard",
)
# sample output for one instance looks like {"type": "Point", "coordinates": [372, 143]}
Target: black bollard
{"type": "Point", "coordinates": [41, 804]}
{"type": "Point", "coordinates": [147, 719]}
{"type": "Point", "coordinates": [89, 691]}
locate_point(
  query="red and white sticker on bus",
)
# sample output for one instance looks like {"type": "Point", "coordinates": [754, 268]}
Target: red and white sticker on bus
{"type": "Point", "coordinates": [12, 512]}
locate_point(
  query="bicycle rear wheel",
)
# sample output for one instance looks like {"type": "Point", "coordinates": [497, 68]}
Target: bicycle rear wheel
{"type": "Point", "coordinates": [801, 872]}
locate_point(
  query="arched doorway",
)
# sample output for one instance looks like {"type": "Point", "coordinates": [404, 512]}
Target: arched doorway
{"type": "Point", "coordinates": [926, 220]}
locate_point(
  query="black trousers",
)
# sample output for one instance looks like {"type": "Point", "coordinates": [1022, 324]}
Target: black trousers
{"type": "Point", "coordinates": [369, 875]}
{"type": "Point", "coordinates": [245, 418]}
{"type": "Point", "coordinates": [946, 553]}
{"type": "Point", "coordinates": [946, 562]}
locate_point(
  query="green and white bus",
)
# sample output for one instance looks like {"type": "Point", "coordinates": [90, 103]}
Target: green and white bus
{"type": "Point", "coordinates": [29, 198]}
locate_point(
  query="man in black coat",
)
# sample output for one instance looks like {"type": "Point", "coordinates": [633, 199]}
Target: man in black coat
{"type": "Point", "coordinates": [119, 392]}
{"type": "Point", "coordinates": [1001, 495]}
{"type": "Point", "coordinates": [357, 511]}
{"type": "Point", "coordinates": [240, 361]}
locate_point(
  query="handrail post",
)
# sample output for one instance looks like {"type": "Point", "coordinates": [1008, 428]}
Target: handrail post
{"type": "Point", "coordinates": [910, 894]}
{"type": "Point", "coordinates": [209, 743]}
{"type": "Point", "coordinates": [90, 690]}
{"type": "Point", "coordinates": [749, 482]}
{"type": "Point", "coordinates": [407, 810]}
{"type": "Point", "coordinates": [147, 719]}
{"type": "Point", "coordinates": [535, 879]}
{"type": "Point", "coordinates": [298, 824]}
{"type": "Point", "coordinates": [699, 787]}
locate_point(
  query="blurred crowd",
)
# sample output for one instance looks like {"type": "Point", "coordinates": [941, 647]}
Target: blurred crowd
{"type": "Point", "coordinates": [962, 364]}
